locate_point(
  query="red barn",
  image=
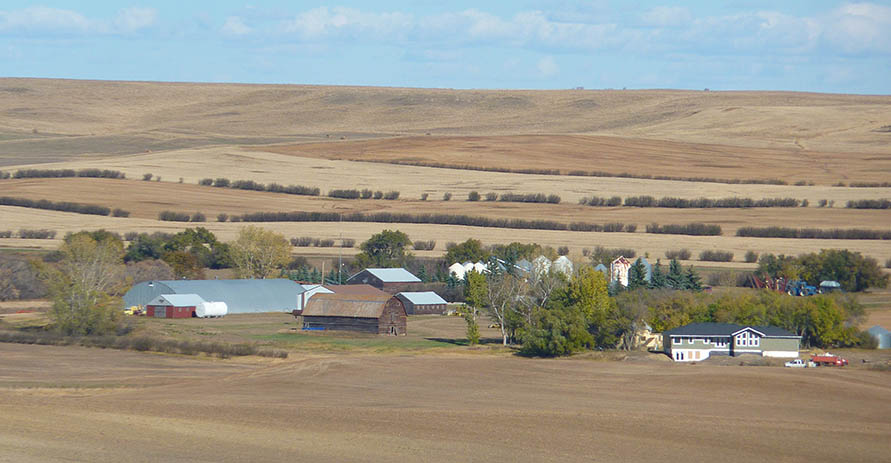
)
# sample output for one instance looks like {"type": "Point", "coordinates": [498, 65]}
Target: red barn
{"type": "Point", "coordinates": [173, 306]}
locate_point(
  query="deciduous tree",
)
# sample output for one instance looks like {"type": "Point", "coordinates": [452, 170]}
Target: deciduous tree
{"type": "Point", "coordinates": [259, 253]}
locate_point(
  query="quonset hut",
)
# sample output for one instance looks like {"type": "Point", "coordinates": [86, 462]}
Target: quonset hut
{"type": "Point", "coordinates": [240, 296]}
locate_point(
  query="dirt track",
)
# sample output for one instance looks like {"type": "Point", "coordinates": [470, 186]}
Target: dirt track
{"type": "Point", "coordinates": [148, 407]}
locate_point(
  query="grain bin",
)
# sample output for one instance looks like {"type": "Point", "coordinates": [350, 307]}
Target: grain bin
{"type": "Point", "coordinates": [211, 309]}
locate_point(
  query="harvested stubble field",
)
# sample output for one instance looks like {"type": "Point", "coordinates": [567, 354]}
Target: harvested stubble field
{"type": "Point", "coordinates": [72, 403]}
{"type": "Point", "coordinates": [656, 245]}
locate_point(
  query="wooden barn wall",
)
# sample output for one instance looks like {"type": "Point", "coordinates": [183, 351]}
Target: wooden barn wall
{"type": "Point", "coordinates": [424, 309]}
{"type": "Point", "coordinates": [364, 325]}
{"type": "Point", "coordinates": [393, 316]}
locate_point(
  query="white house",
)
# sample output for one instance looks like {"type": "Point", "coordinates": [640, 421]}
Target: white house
{"type": "Point", "coordinates": [618, 270]}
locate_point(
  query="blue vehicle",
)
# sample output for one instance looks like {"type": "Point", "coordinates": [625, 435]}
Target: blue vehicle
{"type": "Point", "coordinates": [800, 288]}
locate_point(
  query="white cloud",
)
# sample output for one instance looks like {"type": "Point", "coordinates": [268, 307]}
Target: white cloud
{"type": "Point", "coordinates": [860, 27]}
{"type": "Point", "coordinates": [668, 16]}
{"type": "Point", "coordinates": [547, 67]}
{"type": "Point", "coordinates": [235, 26]}
{"type": "Point", "coordinates": [323, 22]}
{"type": "Point", "coordinates": [134, 19]}
{"type": "Point", "coordinates": [43, 19]}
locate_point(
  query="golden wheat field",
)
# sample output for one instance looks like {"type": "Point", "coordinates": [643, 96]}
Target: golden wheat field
{"type": "Point", "coordinates": [355, 138]}
{"type": "Point", "coordinates": [453, 403]}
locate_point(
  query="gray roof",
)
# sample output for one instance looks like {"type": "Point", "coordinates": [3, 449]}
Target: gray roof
{"type": "Point", "coordinates": [830, 284]}
{"type": "Point", "coordinates": [725, 329]}
{"type": "Point", "coordinates": [392, 275]}
{"type": "Point", "coordinates": [241, 296]}
{"type": "Point", "coordinates": [422, 298]}
{"type": "Point", "coordinates": [178, 300]}
{"type": "Point", "coordinates": [346, 305]}
{"type": "Point", "coordinates": [601, 268]}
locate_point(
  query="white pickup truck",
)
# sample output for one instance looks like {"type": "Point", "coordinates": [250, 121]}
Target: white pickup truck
{"type": "Point", "coordinates": [799, 363]}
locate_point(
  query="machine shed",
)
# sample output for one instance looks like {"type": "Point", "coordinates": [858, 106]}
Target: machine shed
{"type": "Point", "coordinates": [427, 302]}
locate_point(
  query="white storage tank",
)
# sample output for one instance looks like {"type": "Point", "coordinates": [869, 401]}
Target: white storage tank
{"type": "Point", "coordinates": [211, 309]}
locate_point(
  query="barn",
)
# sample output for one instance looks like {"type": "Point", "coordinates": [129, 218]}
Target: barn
{"type": "Point", "coordinates": [173, 306]}
{"type": "Point", "coordinates": [426, 302]}
{"type": "Point", "coordinates": [391, 280]}
{"type": "Point", "coordinates": [240, 296]}
{"type": "Point", "coordinates": [366, 313]}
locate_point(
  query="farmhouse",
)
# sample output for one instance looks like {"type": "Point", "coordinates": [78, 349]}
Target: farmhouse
{"type": "Point", "coordinates": [367, 313]}
{"type": "Point", "coordinates": [241, 296]}
{"type": "Point", "coordinates": [618, 270]}
{"type": "Point", "coordinates": [426, 302]}
{"type": "Point", "coordinates": [391, 280]}
{"type": "Point", "coordinates": [698, 341]}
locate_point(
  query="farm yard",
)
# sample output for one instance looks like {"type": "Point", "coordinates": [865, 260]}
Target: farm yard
{"type": "Point", "coordinates": [428, 394]}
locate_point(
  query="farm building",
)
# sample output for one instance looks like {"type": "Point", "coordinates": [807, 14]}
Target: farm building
{"type": "Point", "coordinates": [882, 336]}
{"type": "Point", "coordinates": [563, 265]}
{"type": "Point", "coordinates": [308, 292]}
{"type": "Point", "coordinates": [618, 270]}
{"type": "Point", "coordinates": [457, 270]}
{"type": "Point", "coordinates": [391, 280]}
{"type": "Point", "coordinates": [426, 302]}
{"type": "Point", "coordinates": [240, 296]}
{"type": "Point", "coordinates": [367, 313]}
{"type": "Point", "coordinates": [173, 306]}
{"type": "Point", "coordinates": [699, 341]}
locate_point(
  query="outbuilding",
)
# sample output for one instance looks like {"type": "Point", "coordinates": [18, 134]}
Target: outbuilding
{"type": "Point", "coordinates": [241, 296]}
{"type": "Point", "coordinates": [391, 280]}
{"type": "Point", "coordinates": [366, 313]}
{"type": "Point", "coordinates": [173, 306]}
{"type": "Point", "coordinates": [426, 302]}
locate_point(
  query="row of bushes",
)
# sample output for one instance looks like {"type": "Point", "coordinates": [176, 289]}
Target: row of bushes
{"type": "Point", "coordinates": [59, 173]}
{"type": "Point", "coordinates": [363, 194]}
{"type": "Point", "coordinates": [42, 234]}
{"type": "Point", "coordinates": [715, 256]}
{"type": "Point", "coordinates": [171, 216]}
{"type": "Point", "coordinates": [255, 186]}
{"type": "Point", "coordinates": [869, 204]}
{"type": "Point", "coordinates": [307, 241]}
{"type": "Point", "coordinates": [63, 206]}
{"type": "Point", "coordinates": [598, 201]}
{"type": "Point", "coordinates": [585, 173]}
{"type": "Point", "coordinates": [814, 233]}
{"type": "Point", "coordinates": [438, 219]}
{"type": "Point", "coordinates": [142, 343]}
{"type": "Point", "coordinates": [868, 184]}
{"type": "Point", "coordinates": [681, 203]}
{"type": "Point", "coordinates": [695, 229]}
{"type": "Point", "coordinates": [421, 245]}
{"type": "Point", "coordinates": [516, 197]}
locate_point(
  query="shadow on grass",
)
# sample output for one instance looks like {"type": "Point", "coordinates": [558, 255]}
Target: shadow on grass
{"type": "Point", "coordinates": [463, 341]}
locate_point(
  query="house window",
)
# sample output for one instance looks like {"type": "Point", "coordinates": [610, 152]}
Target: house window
{"type": "Point", "coordinates": [721, 342]}
{"type": "Point", "coordinates": [689, 340]}
{"type": "Point", "coordinates": [754, 341]}
{"type": "Point", "coordinates": [677, 340]}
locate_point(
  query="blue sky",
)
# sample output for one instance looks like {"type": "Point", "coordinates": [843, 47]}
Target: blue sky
{"type": "Point", "coordinates": [816, 45]}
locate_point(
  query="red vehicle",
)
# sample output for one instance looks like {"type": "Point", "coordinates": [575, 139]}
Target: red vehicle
{"type": "Point", "coordinates": [828, 360]}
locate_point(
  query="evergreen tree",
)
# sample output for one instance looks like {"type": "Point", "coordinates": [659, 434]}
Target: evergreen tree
{"type": "Point", "coordinates": [315, 276]}
{"type": "Point", "coordinates": [658, 279]}
{"type": "Point", "coordinates": [422, 274]}
{"type": "Point", "coordinates": [692, 280]}
{"type": "Point", "coordinates": [637, 275]}
{"type": "Point", "coordinates": [675, 278]}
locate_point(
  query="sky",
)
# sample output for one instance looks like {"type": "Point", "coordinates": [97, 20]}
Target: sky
{"type": "Point", "coordinates": [802, 45]}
